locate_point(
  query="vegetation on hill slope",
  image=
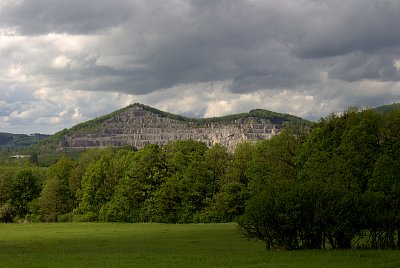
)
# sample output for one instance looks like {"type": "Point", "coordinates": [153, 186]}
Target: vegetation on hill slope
{"type": "Point", "coordinates": [8, 140]}
{"type": "Point", "coordinates": [387, 108]}
{"type": "Point", "coordinates": [257, 113]}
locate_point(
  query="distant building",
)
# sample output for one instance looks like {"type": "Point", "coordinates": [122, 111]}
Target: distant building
{"type": "Point", "coordinates": [21, 156]}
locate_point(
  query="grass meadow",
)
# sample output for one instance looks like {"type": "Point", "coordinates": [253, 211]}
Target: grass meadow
{"type": "Point", "coordinates": [162, 245]}
{"type": "Point", "coordinates": [49, 158]}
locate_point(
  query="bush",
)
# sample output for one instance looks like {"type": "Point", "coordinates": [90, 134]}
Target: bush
{"type": "Point", "coordinates": [7, 213]}
{"type": "Point", "coordinates": [87, 217]}
{"type": "Point", "coordinates": [68, 217]}
{"type": "Point", "coordinates": [32, 217]}
{"type": "Point", "coordinates": [273, 216]}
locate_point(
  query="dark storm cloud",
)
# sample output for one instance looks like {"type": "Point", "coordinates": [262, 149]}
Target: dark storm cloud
{"type": "Point", "coordinates": [263, 44]}
{"type": "Point", "coordinates": [72, 16]}
{"type": "Point", "coordinates": [360, 66]}
{"type": "Point", "coordinates": [200, 41]}
{"type": "Point", "coordinates": [343, 27]}
{"type": "Point", "coordinates": [170, 42]}
{"type": "Point", "coordinates": [255, 44]}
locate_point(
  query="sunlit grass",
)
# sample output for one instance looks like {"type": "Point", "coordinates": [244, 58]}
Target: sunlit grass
{"type": "Point", "coordinates": [161, 245]}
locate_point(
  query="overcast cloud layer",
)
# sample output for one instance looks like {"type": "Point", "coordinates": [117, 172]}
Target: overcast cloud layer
{"type": "Point", "coordinates": [63, 62]}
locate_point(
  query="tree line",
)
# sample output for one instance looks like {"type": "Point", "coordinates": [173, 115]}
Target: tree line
{"type": "Point", "coordinates": [336, 187]}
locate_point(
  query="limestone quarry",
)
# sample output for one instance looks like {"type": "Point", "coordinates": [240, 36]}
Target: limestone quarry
{"type": "Point", "coordinates": [139, 125]}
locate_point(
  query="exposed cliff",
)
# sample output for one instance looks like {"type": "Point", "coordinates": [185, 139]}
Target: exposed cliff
{"type": "Point", "coordinates": [139, 125]}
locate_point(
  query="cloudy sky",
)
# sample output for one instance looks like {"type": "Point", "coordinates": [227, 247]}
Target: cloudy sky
{"type": "Point", "coordinates": [66, 61]}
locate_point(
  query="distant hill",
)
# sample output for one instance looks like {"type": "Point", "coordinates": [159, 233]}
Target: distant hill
{"type": "Point", "coordinates": [387, 108]}
{"type": "Point", "coordinates": [138, 125]}
{"type": "Point", "coordinates": [8, 140]}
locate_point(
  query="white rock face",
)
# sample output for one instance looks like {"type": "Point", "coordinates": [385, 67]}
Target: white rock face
{"type": "Point", "coordinates": [139, 127]}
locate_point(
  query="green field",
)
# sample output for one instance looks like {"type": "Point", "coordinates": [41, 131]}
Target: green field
{"type": "Point", "coordinates": [49, 158]}
{"type": "Point", "coordinates": [161, 245]}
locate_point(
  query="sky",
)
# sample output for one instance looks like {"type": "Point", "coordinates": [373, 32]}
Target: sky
{"type": "Point", "coordinates": [63, 62]}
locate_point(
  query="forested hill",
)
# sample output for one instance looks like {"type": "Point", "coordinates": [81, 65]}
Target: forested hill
{"type": "Point", "coordinates": [8, 140]}
{"type": "Point", "coordinates": [387, 108]}
{"type": "Point", "coordinates": [138, 125]}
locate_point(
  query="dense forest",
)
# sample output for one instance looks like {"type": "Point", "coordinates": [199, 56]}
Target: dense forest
{"type": "Point", "coordinates": [336, 187]}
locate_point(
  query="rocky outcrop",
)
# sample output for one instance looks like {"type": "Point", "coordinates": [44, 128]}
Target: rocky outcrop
{"type": "Point", "coordinates": [137, 126]}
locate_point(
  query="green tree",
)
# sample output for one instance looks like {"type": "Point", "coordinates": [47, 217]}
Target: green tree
{"type": "Point", "coordinates": [273, 215]}
{"type": "Point", "coordinates": [6, 175]}
{"type": "Point", "coordinates": [56, 197]}
{"type": "Point", "coordinates": [273, 160]}
{"type": "Point", "coordinates": [179, 155]}
{"type": "Point", "coordinates": [382, 199]}
{"type": "Point", "coordinates": [360, 146]}
{"type": "Point", "coordinates": [227, 204]}
{"type": "Point", "coordinates": [141, 178]}
{"type": "Point", "coordinates": [127, 202]}
{"type": "Point", "coordinates": [336, 163]}
{"type": "Point", "coordinates": [187, 175]}
{"type": "Point", "coordinates": [23, 189]}
{"type": "Point", "coordinates": [204, 175]}
{"type": "Point", "coordinates": [34, 159]}
{"type": "Point", "coordinates": [338, 214]}
{"type": "Point", "coordinates": [238, 169]}
{"type": "Point", "coordinates": [97, 187]}
{"type": "Point", "coordinates": [89, 157]}
{"type": "Point", "coordinates": [169, 202]}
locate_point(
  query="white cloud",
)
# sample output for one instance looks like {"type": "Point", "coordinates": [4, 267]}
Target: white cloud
{"type": "Point", "coordinates": [397, 64]}
{"type": "Point", "coordinates": [48, 120]}
{"type": "Point", "coordinates": [61, 62]}
{"type": "Point", "coordinates": [77, 115]}
{"type": "Point", "coordinates": [217, 108]}
{"type": "Point", "coordinates": [20, 115]}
